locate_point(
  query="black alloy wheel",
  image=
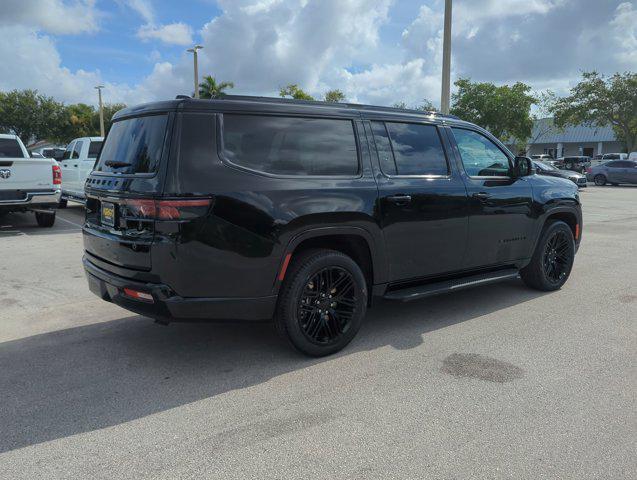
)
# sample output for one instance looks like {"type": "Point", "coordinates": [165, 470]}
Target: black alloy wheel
{"type": "Point", "coordinates": [556, 259]}
{"type": "Point", "coordinates": [327, 305]}
{"type": "Point", "coordinates": [322, 302]}
{"type": "Point", "coordinates": [552, 261]}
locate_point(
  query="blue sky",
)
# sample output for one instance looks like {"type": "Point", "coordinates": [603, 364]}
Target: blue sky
{"type": "Point", "coordinates": [376, 51]}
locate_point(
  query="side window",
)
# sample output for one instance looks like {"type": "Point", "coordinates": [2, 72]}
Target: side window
{"type": "Point", "coordinates": [290, 145]}
{"type": "Point", "coordinates": [68, 151]}
{"type": "Point", "coordinates": [417, 149]}
{"type": "Point", "coordinates": [77, 150]}
{"type": "Point", "coordinates": [383, 147]}
{"type": "Point", "coordinates": [480, 156]}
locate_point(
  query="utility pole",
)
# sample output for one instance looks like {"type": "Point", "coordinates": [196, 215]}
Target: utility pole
{"type": "Point", "coordinates": [99, 93]}
{"type": "Point", "coordinates": [446, 61]}
{"type": "Point", "coordinates": [193, 50]}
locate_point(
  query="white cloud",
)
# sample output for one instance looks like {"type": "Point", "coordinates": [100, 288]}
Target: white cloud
{"type": "Point", "coordinates": [34, 62]}
{"type": "Point", "coordinates": [624, 25]}
{"type": "Point", "coordinates": [172, 34]}
{"type": "Point", "coordinates": [53, 16]}
{"type": "Point", "coordinates": [143, 7]}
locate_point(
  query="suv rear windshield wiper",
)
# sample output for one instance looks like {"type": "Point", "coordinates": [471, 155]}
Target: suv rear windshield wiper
{"type": "Point", "coordinates": [116, 164]}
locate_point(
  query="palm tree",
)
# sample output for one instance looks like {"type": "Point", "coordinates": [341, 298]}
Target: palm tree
{"type": "Point", "coordinates": [209, 88]}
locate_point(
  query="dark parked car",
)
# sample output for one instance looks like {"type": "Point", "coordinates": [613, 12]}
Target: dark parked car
{"type": "Point", "coordinates": [305, 212]}
{"type": "Point", "coordinates": [614, 172]}
{"type": "Point", "coordinates": [544, 168]}
{"type": "Point", "coordinates": [576, 164]}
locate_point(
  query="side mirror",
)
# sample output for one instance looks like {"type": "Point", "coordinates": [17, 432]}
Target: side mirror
{"type": "Point", "coordinates": [523, 167]}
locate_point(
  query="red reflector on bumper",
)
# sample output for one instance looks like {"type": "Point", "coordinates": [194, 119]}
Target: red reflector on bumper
{"type": "Point", "coordinates": [137, 295]}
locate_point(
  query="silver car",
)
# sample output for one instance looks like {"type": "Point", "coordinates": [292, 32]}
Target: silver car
{"type": "Point", "coordinates": [614, 172]}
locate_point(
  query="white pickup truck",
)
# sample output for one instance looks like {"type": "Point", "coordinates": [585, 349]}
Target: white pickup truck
{"type": "Point", "coordinates": [77, 163]}
{"type": "Point", "coordinates": [28, 184]}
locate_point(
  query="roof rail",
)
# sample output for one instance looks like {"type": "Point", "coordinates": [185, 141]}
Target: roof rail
{"type": "Point", "coordinates": [358, 106]}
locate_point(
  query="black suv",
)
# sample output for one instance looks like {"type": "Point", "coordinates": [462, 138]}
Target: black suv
{"type": "Point", "coordinates": [304, 212]}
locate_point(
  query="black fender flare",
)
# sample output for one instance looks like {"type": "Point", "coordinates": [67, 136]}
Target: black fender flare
{"type": "Point", "coordinates": [377, 252]}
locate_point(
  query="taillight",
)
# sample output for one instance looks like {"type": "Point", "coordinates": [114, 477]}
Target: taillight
{"type": "Point", "coordinates": [589, 170]}
{"type": "Point", "coordinates": [167, 209]}
{"type": "Point", "coordinates": [57, 175]}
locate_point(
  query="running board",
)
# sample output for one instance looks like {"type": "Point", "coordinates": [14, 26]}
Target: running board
{"type": "Point", "coordinates": [422, 291]}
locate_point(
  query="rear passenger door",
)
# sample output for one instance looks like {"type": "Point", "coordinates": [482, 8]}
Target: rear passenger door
{"type": "Point", "coordinates": [422, 203]}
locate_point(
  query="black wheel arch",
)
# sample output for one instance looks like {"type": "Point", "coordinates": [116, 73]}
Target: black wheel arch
{"type": "Point", "coordinates": [356, 242]}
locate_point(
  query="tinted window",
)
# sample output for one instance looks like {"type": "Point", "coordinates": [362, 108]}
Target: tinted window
{"type": "Point", "coordinates": [9, 148]}
{"type": "Point", "coordinates": [290, 146]}
{"type": "Point", "coordinates": [383, 147]}
{"type": "Point", "coordinates": [134, 145]}
{"type": "Point", "coordinates": [77, 149]}
{"type": "Point", "coordinates": [620, 164]}
{"type": "Point", "coordinates": [480, 156]}
{"type": "Point", "coordinates": [94, 149]}
{"type": "Point", "coordinates": [417, 149]}
{"type": "Point", "coordinates": [611, 156]}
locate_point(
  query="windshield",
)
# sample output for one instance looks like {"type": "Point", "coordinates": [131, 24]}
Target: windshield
{"type": "Point", "coordinates": [134, 145]}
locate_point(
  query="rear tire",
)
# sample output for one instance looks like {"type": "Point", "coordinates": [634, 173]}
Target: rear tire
{"type": "Point", "coordinates": [552, 260]}
{"type": "Point", "coordinates": [45, 220]}
{"type": "Point", "coordinates": [600, 180]}
{"type": "Point", "coordinates": [322, 302]}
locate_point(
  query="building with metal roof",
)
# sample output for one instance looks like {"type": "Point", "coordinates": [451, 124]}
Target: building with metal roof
{"type": "Point", "coordinates": [588, 140]}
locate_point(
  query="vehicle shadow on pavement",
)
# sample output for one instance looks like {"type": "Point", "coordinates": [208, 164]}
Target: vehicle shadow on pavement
{"type": "Point", "coordinates": [81, 379]}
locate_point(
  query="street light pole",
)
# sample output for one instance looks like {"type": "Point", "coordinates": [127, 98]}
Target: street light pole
{"type": "Point", "coordinates": [193, 50]}
{"type": "Point", "coordinates": [446, 61]}
{"type": "Point", "coordinates": [99, 93]}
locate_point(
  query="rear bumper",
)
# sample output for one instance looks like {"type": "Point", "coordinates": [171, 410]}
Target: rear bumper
{"type": "Point", "coordinates": [38, 199]}
{"type": "Point", "coordinates": [168, 306]}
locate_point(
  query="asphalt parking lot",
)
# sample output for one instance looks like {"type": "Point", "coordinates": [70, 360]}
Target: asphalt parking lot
{"type": "Point", "coordinates": [496, 382]}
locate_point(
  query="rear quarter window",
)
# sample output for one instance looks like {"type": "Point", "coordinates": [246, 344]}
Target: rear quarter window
{"type": "Point", "coordinates": [297, 146]}
{"type": "Point", "coordinates": [134, 145]}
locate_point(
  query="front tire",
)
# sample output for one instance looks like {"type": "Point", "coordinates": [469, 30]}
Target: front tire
{"type": "Point", "coordinates": [600, 180]}
{"type": "Point", "coordinates": [552, 260]}
{"type": "Point", "coordinates": [322, 302]}
{"type": "Point", "coordinates": [45, 220]}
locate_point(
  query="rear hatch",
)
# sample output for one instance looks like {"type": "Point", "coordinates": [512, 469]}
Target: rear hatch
{"type": "Point", "coordinates": [122, 190]}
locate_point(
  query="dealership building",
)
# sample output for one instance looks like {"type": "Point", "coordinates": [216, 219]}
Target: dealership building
{"type": "Point", "coordinates": [572, 140]}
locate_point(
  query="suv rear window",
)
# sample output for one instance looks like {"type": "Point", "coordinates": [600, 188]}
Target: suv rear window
{"type": "Point", "coordinates": [290, 145]}
{"type": "Point", "coordinates": [9, 148]}
{"type": "Point", "coordinates": [94, 149]}
{"type": "Point", "coordinates": [134, 145]}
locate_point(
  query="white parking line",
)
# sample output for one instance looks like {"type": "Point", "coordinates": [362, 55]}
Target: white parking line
{"type": "Point", "coordinates": [69, 221]}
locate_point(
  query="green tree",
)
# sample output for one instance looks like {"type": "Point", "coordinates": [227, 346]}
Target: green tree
{"type": "Point", "coordinates": [75, 121]}
{"type": "Point", "coordinates": [109, 110]}
{"type": "Point", "coordinates": [601, 100]}
{"type": "Point", "coordinates": [426, 106]}
{"type": "Point", "coordinates": [209, 88]}
{"type": "Point", "coordinates": [334, 96]}
{"type": "Point", "coordinates": [28, 114]}
{"type": "Point", "coordinates": [505, 110]}
{"type": "Point", "coordinates": [293, 90]}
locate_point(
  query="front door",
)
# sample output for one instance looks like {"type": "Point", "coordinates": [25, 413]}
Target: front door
{"type": "Point", "coordinates": [422, 200]}
{"type": "Point", "coordinates": [501, 224]}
